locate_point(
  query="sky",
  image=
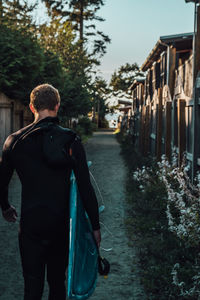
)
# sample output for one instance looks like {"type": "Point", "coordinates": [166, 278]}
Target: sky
{"type": "Point", "coordinates": [135, 26]}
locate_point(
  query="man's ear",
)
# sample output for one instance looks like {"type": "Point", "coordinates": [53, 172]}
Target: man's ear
{"type": "Point", "coordinates": [32, 108]}
{"type": "Point", "coordinates": [57, 107]}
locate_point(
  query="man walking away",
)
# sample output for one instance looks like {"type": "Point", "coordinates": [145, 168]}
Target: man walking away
{"type": "Point", "coordinates": [43, 155]}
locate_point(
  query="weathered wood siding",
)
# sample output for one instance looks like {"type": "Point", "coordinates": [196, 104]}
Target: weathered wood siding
{"type": "Point", "coordinates": [6, 118]}
{"type": "Point", "coordinates": [13, 116]}
{"type": "Point", "coordinates": [165, 119]}
{"type": "Point", "coordinates": [184, 71]}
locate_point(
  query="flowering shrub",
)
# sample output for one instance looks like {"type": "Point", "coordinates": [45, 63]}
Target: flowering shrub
{"type": "Point", "coordinates": [163, 224]}
{"type": "Point", "coordinates": [184, 197]}
{"type": "Point", "coordinates": [183, 216]}
{"type": "Point", "coordinates": [183, 201]}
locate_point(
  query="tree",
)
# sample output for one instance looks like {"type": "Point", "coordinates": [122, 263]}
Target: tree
{"type": "Point", "coordinates": [122, 79]}
{"type": "Point", "coordinates": [17, 14]}
{"type": "Point", "coordinates": [75, 97]}
{"type": "Point", "coordinates": [24, 63]}
{"type": "Point", "coordinates": [100, 93]}
{"type": "Point", "coordinates": [59, 39]}
{"type": "Point", "coordinates": [50, 54]}
{"type": "Point", "coordinates": [59, 36]}
{"type": "Point", "coordinates": [79, 12]}
{"type": "Point", "coordinates": [21, 62]}
{"type": "Point", "coordinates": [84, 11]}
{"type": "Point", "coordinates": [52, 71]}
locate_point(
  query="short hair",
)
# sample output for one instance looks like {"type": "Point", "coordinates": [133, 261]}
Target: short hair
{"type": "Point", "coordinates": [44, 96]}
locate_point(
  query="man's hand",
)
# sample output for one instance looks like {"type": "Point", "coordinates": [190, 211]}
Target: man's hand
{"type": "Point", "coordinates": [97, 236]}
{"type": "Point", "coordinates": [10, 214]}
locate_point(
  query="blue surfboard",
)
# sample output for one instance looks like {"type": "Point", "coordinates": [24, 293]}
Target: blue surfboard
{"type": "Point", "coordinates": [83, 252]}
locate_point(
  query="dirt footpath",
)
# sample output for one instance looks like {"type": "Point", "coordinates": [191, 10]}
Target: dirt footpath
{"type": "Point", "coordinates": [109, 172]}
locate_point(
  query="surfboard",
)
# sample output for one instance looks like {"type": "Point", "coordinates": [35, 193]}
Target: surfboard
{"type": "Point", "coordinates": [83, 252]}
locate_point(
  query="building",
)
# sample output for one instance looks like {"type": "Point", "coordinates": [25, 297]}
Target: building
{"type": "Point", "coordinates": [163, 103]}
{"type": "Point", "coordinates": [13, 116]}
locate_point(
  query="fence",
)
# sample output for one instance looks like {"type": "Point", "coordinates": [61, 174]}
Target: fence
{"type": "Point", "coordinates": [163, 124]}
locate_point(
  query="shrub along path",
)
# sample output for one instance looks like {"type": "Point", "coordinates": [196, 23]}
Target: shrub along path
{"type": "Point", "coordinates": [123, 281]}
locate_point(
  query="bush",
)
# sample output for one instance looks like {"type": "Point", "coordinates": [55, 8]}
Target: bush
{"type": "Point", "coordinates": [85, 127]}
{"type": "Point", "coordinates": [163, 228]}
{"type": "Point", "coordinates": [133, 159]}
{"type": "Point", "coordinates": [104, 123]}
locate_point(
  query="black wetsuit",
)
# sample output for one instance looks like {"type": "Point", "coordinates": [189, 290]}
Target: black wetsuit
{"type": "Point", "coordinates": [43, 237]}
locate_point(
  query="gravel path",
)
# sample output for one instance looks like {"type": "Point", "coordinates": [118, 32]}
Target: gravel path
{"type": "Point", "coordinates": [109, 172]}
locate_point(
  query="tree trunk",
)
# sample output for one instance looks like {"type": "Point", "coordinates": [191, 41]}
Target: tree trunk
{"type": "Point", "coordinates": [81, 20]}
{"type": "Point", "coordinates": [1, 11]}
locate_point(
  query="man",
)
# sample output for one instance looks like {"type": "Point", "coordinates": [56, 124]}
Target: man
{"type": "Point", "coordinates": [44, 169]}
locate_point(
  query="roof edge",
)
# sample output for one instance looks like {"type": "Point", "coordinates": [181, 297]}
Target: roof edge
{"type": "Point", "coordinates": [160, 46]}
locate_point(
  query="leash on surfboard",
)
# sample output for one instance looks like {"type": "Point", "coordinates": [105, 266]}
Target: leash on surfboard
{"type": "Point", "coordinates": [101, 207]}
{"type": "Point", "coordinates": [106, 228]}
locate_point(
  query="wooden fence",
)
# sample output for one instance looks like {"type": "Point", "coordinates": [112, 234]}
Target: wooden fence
{"type": "Point", "coordinates": [163, 124]}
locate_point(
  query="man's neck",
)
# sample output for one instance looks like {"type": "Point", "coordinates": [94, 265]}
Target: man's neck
{"type": "Point", "coordinates": [44, 114]}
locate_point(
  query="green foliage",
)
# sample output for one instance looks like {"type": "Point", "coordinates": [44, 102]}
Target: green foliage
{"type": "Point", "coordinates": [73, 81]}
{"type": "Point", "coordinates": [122, 79]}
{"type": "Point", "coordinates": [133, 159]}
{"type": "Point", "coordinates": [103, 123]}
{"type": "Point", "coordinates": [75, 98]}
{"type": "Point", "coordinates": [78, 12]}
{"type": "Point", "coordinates": [52, 72]}
{"type": "Point", "coordinates": [85, 127]}
{"type": "Point", "coordinates": [59, 38]}
{"type": "Point", "coordinates": [51, 53]}
{"type": "Point", "coordinates": [100, 93]}
{"type": "Point", "coordinates": [159, 249]}
{"type": "Point", "coordinates": [17, 14]}
{"type": "Point", "coordinates": [21, 63]}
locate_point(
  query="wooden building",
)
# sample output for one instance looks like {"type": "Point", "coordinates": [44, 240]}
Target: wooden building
{"type": "Point", "coordinates": [163, 104]}
{"type": "Point", "coordinates": [170, 58]}
{"type": "Point", "coordinates": [137, 89]}
{"type": "Point", "coordinates": [13, 116]}
{"type": "Point", "coordinates": [125, 108]}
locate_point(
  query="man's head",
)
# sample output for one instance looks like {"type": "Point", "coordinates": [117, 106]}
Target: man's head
{"type": "Point", "coordinates": [44, 97]}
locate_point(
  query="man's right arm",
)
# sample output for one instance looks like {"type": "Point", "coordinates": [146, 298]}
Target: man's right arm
{"type": "Point", "coordinates": [6, 171]}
